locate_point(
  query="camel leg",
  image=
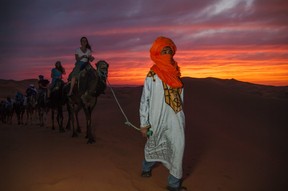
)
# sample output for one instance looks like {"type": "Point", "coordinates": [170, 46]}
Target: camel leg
{"type": "Point", "coordinates": [89, 133]}
{"type": "Point", "coordinates": [60, 119]}
{"type": "Point", "coordinates": [52, 118]}
{"type": "Point", "coordinates": [71, 117]}
{"type": "Point", "coordinates": [77, 121]}
{"type": "Point", "coordinates": [68, 125]}
{"type": "Point", "coordinates": [40, 116]}
{"type": "Point", "coordinates": [75, 134]}
{"type": "Point", "coordinates": [27, 117]}
{"type": "Point", "coordinates": [21, 118]}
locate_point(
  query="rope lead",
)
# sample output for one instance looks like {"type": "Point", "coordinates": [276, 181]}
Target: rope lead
{"type": "Point", "coordinates": [127, 121]}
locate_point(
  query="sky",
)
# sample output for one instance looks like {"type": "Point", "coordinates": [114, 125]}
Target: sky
{"type": "Point", "coordinates": [246, 40]}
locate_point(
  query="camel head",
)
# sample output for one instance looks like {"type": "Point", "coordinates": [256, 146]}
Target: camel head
{"type": "Point", "coordinates": [102, 70]}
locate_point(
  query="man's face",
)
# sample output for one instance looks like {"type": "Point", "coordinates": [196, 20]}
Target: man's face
{"type": "Point", "coordinates": [167, 50]}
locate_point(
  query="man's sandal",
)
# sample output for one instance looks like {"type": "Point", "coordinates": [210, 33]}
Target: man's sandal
{"type": "Point", "coordinates": [146, 174]}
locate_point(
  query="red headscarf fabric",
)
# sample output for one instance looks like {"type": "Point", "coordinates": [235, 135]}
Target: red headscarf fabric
{"type": "Point", "coordinates": [165, 66]}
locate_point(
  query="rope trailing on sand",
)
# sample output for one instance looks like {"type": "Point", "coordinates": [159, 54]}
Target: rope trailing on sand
{"type": "Point", "coordinates": [127, 121]}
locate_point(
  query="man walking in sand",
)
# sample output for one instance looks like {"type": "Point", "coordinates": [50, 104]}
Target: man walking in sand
{"type": "Point", "coordinates": [161, 112]}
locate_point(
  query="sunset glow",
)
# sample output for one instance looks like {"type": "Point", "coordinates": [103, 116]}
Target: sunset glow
{"type": "Point", "coordinates": [241, 39]}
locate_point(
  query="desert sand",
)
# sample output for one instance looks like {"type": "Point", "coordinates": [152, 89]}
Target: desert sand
{"type": "Point", "coordinates": [236, 140]}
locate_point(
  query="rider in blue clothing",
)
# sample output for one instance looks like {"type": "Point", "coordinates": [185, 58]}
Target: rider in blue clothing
{"type": "Point", "coordinates": [19, 97]}
{"type": "Point", "coordinates": [56, 74]}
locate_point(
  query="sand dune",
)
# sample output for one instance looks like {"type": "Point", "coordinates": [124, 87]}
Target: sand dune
{"type": "Point", "coordinates": [235, 141]}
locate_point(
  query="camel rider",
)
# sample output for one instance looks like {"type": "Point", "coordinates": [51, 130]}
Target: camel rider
{"type": "Point", "coordinates": [56, 74]}
{"type": "Point", "coordinates": [83, 55]}
{"type": "Point", "coordinates": [19, 97]}
{"type": "Point", "coordinates": [43, 85]}
{"type": "Point", "coordinates": [31, 90]}
{"type": "Point", "coordinates": [9, 102]}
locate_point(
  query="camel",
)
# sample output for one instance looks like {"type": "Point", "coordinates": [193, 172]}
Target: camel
{"type": "Point", "coordinates": [30, 107]}
{"type": "Point", "coordinates": [91, 84]}
{"type": "Point", "coordinates": [19, 106]}
{"type": "Point", "coordinates": [42, 106]}
{"type": "Point", "coordinates": [56, 102]}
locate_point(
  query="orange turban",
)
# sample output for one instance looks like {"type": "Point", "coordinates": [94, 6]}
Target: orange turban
{"type": "Point", "coordinates": [165, 66]}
